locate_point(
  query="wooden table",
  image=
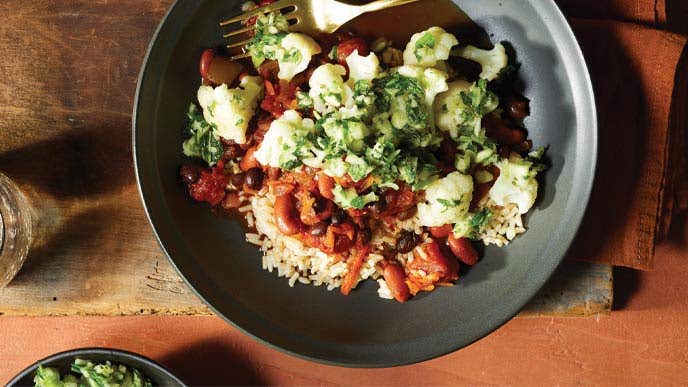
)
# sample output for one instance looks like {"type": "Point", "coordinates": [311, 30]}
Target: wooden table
{"type": "Point", "coordinates": [69, 72]}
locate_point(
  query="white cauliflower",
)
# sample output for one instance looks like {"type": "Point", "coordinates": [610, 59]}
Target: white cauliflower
{"type": "Point", "coordinates": [280, 141]}
{"type": "Point", "coordinates": [298, 51]}
{"type": "Point", "coordinates": [432, 81]}
{"type": "Point", "coordinates": [447, 200]}
{"type": "Point", "coordinates": [328, 90]}
{"type": "Point", "coordinates": [362, 67]}
{"type": "Point", "coordinates": [516, 183]}
{"type": "Point", "coordinates": [448, 106]}
{"type": "Point", "coordinates": [230, 110]}
{"type": "Point", "coordinates": [428, 47]}
{"type": "Point", "coordinates": [491, 61]}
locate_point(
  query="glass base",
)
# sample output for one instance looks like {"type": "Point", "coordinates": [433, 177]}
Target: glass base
{"type": "Point", "coordinates": [15, 229]}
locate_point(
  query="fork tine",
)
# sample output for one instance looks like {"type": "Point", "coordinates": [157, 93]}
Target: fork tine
{"type": "Point", "coordinates": [238, 31]}
{"type": "Point", "coordinates": [239, 56]}
{"type": "Point", "coordinates": [239, 44]}
{"type": "Point", "coordinates": [258, 11]}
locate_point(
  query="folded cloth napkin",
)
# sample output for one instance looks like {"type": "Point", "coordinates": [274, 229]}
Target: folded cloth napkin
{"type": "Point", "coordinates": [640, 79]}
{"type": "Point", "coordinates": [647, 12]}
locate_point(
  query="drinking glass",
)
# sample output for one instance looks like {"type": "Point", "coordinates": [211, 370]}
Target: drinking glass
{"type": "Point", "coordinates": [16, 216]}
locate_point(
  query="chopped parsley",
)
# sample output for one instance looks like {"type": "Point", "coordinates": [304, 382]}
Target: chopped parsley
{"type": "Point", "coordinates": [425, 43]}
{"type": "Point", "coordinates": [202, 140]}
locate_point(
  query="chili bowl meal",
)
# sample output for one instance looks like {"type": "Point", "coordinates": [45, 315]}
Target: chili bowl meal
{"type": "Point", "coordinates": [362, 200]}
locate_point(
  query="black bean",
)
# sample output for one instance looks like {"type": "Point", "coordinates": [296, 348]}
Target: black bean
{"type": "Point", "coordinates": [338, 216]}
{"type": "Point", "coordinates": [189, 173]}
{"type": "Point", "coordinates": [254, 178]}
{"type": "Point", "coordinates": [364, 236]}
{"type": "Point", "coordinates": [319, 229]}
{"type": "Point", "coordinates": [238, 179]}
{"type": "Point", "coordinates": [319, 205]}
{"type": "Point", "coordinates": [407, 241]}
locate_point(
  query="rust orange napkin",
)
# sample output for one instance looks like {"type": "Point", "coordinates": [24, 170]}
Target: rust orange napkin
{"type": "Point", "coordinates": [639, 77]}
{"type": "Point", "coordinates": [647, 12]}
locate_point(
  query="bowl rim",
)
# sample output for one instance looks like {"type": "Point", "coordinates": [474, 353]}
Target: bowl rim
{"type": "Point", "coordinates": [86, 351]}
{"type": "Point", "coordinates": [572, 54]}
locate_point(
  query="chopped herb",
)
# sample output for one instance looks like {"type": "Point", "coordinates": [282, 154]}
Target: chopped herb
{"type": "Point", "coordinates": [448, 204]}
{"type": "Point", "coordinates": [202, 140]}
{"type": "Point", "coordinates": [425, 43]}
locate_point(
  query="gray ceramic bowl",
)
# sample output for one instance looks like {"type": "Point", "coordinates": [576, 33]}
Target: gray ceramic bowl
{"type": "Point", "coordinates": [361, 329]}
{"type": "Point", "coordinates": [155, 372]}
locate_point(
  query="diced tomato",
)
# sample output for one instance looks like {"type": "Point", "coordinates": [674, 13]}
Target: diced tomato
{"type": "Point", "coordinates": [210, 186]}
{"type": "Point", "coordinates": [279, 98]}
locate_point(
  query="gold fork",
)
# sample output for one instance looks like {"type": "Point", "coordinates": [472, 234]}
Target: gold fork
{"type": "Point", "coordinates": [308, 16]}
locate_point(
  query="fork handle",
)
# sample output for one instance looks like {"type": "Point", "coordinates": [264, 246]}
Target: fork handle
{"type": "Point", "coordinates": [382, 4]}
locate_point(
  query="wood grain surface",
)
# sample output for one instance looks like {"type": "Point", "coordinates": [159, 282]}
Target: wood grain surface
{"type": "Point", "coordinates": [68, 71]}
{"type": "Point", "coordinates": [644, 342]}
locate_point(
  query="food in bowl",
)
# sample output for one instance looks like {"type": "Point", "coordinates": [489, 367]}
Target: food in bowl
{"type": "Point", "coordinates": [90, 374]}
{"type": "Point", "coordinates": [351, 159]}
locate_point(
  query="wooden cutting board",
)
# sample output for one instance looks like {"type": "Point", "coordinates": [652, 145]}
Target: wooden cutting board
{"type": "Point", "coordinates": [68, 73]}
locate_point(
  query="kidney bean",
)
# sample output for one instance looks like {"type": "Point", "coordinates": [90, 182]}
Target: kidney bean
{"type": "Point", "coordinates": [286, 219]}
{"type": "Point", "coordinates": [190, 173]}
{"type": "Point", "coordinates": [518, 107]}
{"type": "Point", "coordinates": [463, 249]}
{"type": "Point", "coordinates": [254, 178]}
{"type": "Point", "coordinates": [396, 281]}
{"type": "Point", "coordinates": [440, 231]}
{"type": "Point", "coordinates": [204, 65]}
{"type": "Point", "coordinates": [407, 241]}
{"type": "Point", "coordinates": [223, 70]}
{"type": "Point", "coordinates": [346, 47]}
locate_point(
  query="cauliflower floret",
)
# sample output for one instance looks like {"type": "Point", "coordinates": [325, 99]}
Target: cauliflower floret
{"type": "Point", "coordinates": [447, 200]}
{"type": "Point", "coordinates": [491, 61]}
{"type": "Point", "coordinates": [298, 51]}
{"type": "Point", "coordinates": [453, 115]}
{"type": "Point", "coordinates": [427, 47]}
{"type": "Point", "coordinates": [516, 184]}
{"type": "Point", "coordinates": [328, 90]}
{"type": "Point", "coordinates": [279, 144]}
{"type": "Point", "coordinates": [230, 110]}
{"type": "Point", "coordinates": [362, 67]}
{"type": "Point", "coordinates": [447, 107]}
{"type": "Point", "coordinates": [433, 81]}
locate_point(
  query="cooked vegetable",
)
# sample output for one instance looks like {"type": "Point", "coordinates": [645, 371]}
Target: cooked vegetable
{"type": "Point", "coordinates": [202, 140]}
{"type": "Point", "coordinates": [492, 61]}
{"type": "Point", "coordinates": [91, 375]}
{"type": "Point", "coordinates": [428, 47]}
{"type": "Point", "coordinates": [446, 200]}
{"type": "Point", "coordinates": [229, 111]}
{"type": "Point", "coordinates": [516, 183]}
{"type": "Point", "coordinates": [273, 41]}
